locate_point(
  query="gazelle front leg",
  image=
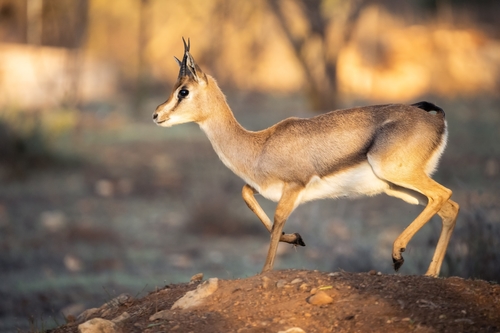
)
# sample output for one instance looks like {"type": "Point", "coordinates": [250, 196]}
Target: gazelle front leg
{"type": "Point", "coordinates": [248, 195]}
{"type": "Point", "coordinates": [285, 207]}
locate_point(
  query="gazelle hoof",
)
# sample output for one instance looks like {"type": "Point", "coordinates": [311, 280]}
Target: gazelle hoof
{"type": "Point", "coordinates": [397, 263]}
{"type": "Point", "coordinates": [294, 239]}
{"type": "Point", "coordinates": [298, 240]}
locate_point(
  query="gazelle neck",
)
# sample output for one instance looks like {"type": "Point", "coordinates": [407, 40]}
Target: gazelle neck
{"type": "Point", "coordinates": [236, 147]}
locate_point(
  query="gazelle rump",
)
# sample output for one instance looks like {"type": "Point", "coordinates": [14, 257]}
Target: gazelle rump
{"type": "Point", "coordinates": [392, 149]}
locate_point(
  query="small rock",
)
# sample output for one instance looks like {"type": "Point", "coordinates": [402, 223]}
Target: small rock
{"type": "Point", "coordinates": [443, 316]}
{"type": "Point", "coordinates": [98, 325]}
{"type": "Point", "coordinates": [195, 297]}
{"type": "Point", "coordinates": [85, 315]}
{"type": "Point", "coordinates": [295, 281]}
{"type": "Point", "coordinates": [266, 282]}
{"type": "Point", "coordinates": [293, 330]}
{"type": "Point", "coordinates": [280, 283]}
{"type": "Point", "coordinates": [372, 272]}
{"type": "Point", "coordinates": [107, 312]}
{"type": "Point", "coordinates": [314, 290]}
{"type": "Point", "coordinates": [320, 298]}
{"type": "Point", "coordinates": [304, 287]}
{"type": "Point", "coordinates": [117, 301]}
{"type": "Point", "coordinates": [334, 274]}
{"type": "Point", "coordinates": [72, 310]}
{"type": "Point", "coordinates": [379, 273]}
{"type": "Point", "coordinates": [165, 314]}
{"type": "Point", "coordinates": [120, 318]}
{"type": "Point", "coordinates": [196, 278]}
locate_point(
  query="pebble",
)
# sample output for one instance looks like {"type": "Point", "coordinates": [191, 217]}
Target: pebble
{"type": "Point", "coordinates": [372, 272]}
{"type": "Point", "coordinates": [295, 281]}
{"type": "Point", "coordinates": [85, 315]}
{"type": "Point", "coordinates": [117, 301]}
{"type": "Point", "coordinates": [320, 298]}
{"type": "Point", "coordinates": [304, 287]}
{"type": "Point", "coordinates": [293, 330]}
{"type": "Point", "coordinates": [73, 310]}
{"type": "Point", "coordinates": [195, 297]}
{"type": "Point", "coordinates": [280, 283]}
{"type": "Point", "coordinates": [334, 274]}
{"type": "Point", "coordinates": [98, 325]}
{"type": "Point", "coordinates": [165, 314]}
{"type": "Point", "coordinates": [120, 318]}
{"type": "Point", "coordinates": [196, 278]}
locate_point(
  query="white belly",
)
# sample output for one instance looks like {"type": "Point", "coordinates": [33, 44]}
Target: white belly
{"type": "Point", "coordinates": [353, 182]}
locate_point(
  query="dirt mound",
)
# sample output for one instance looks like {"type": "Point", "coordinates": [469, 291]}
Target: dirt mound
{"type": "Point", "coordinates": [280, 300]}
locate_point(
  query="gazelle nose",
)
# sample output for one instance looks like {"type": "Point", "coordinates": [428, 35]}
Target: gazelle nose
{"type": "Point", "coordinates": [155, 116]}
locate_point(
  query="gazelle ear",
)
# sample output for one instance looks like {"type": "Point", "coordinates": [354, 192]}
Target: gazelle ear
{"type": "Point", "coordinates": [194, 69]}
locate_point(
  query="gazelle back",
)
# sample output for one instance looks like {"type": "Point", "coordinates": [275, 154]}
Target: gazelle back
{"type": "Point", "coordinates": [392, 149]}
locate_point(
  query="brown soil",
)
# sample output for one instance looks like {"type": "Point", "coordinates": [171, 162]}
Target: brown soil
{"type": "Point", "coordinates": [362, 302]}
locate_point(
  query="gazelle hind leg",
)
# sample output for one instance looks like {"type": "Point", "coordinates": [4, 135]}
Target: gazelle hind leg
{"type": "Point", "coordinates": [437, 195]}
{"type": "Point", "coordinates": [448, 214]}
{"type": "Point", "coordinates": [248, 196]}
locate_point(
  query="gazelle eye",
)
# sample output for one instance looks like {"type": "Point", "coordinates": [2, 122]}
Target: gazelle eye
{"type": "Point", "coordinates": [183, 93]}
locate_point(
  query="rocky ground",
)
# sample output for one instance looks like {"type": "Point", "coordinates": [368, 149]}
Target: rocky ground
{"type": "Point", "coordinates": [304, 301]}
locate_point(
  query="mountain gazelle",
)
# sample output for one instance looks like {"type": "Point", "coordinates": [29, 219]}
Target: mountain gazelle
{"type": "Point", "coordinates": [390, 149]}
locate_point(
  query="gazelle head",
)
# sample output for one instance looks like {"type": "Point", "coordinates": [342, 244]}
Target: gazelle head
{"type": "Point", "coordinates": [189, 96]}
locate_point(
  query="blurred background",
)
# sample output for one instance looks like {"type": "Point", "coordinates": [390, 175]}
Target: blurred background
{"type": "Point", "coordinates": [96, 200]}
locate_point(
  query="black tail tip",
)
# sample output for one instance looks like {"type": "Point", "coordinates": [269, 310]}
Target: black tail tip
{"type": "Point", "coordinates": [428, 106]}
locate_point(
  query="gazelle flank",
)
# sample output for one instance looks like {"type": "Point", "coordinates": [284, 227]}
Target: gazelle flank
{"type": "Point", "coordinates": [391, 149]}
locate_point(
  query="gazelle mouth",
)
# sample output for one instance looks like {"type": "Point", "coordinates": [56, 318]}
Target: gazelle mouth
{"type": "Point", "coordinates": [161, 121]}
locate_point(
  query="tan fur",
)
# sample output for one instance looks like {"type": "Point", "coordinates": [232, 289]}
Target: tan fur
{"type": "Point", "coordinates": [390, 149]}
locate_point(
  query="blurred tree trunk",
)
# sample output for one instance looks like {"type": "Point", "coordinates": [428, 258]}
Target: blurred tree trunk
{"type": "Point", "coordinates": [317, 58]}
{"type": "Point", "coordinates": [142, 68]}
